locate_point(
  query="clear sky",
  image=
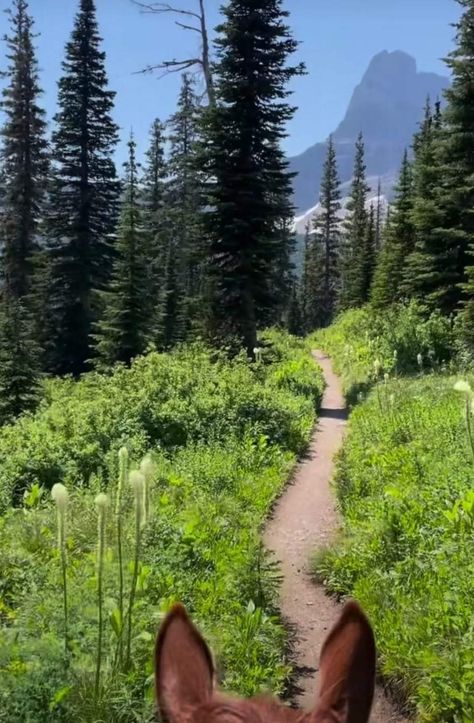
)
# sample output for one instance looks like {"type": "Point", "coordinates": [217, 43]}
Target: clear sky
{"type": "Point", "coordinates": [338, 39]}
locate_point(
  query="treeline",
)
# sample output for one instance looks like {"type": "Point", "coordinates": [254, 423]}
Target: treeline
{"type": "Point", "coordinates": [96, 268]}
{"type": "Point", "coordinates": [424, 250]}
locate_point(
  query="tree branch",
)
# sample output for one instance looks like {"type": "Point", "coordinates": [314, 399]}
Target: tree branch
{"type": "Point", "coordinates": [160, 8]}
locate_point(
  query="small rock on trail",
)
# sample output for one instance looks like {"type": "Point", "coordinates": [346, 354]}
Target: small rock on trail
{"type": "Point", "coordinates": [304, 519]}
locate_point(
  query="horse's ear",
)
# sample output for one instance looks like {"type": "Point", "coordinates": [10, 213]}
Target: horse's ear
{"type": "Point", "coordinates": [347, 670]}
{"type": "Point", "coordinates": [184, 670]}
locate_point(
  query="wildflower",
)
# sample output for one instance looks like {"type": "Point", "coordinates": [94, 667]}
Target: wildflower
{"type": "Point", "coordinates": [101, 502]}
{"type": "Point", "coordinates": [386, 377]}
{"type": "Point", "coordinates": [419, 360]}
{"type": "Point", "coordinates": [147, 468]}
{"type": "Point", "coordinates": [377, 367]}
{"type": "Point", "coordinates": [60, 495]}
{"type": "Point", "coordinates": [360, 397]}
{"type": "Point", "coordinates": [463, 387]}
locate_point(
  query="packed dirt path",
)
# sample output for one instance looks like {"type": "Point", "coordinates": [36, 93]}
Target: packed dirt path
{"type": "Point", "coordinates": [304, 519]}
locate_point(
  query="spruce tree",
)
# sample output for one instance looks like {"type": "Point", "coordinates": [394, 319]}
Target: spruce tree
{"type": "Point", "coordinates": [354, 263]}
{"type": "Point", "coordinates": [20, 388]}
{"type": "Point", "coordinates": [183, 197]}
{"type": "Point", "coordinates": [294, 321]}
{"type": "Point", "coordinates": [23, 154]}
{"type": "Point", "coordinates": [172, 312]}
{"type": "Point", "coordinates": [327, 228]}
{"type": "Point", "coordinates": [248, 183]}
{"type": "Point", "coordinates": [426, 277]}
{"type": "Point", "coordinates": [85, 193]}
{"type": "Point", "coordinates": [126, 326]}
{"type": "Point", "coordinates": [154, 206]}
{"type": "Point", "coordinates": [305, 292]}
{"type": "Point", "coordinates": [457, 190]}
{"type": "Point", "coordinates": [399, 243]}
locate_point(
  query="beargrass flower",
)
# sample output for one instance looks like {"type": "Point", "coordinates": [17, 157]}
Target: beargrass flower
{"type": "Point", "coordinates": [377, 367]}
{"type": "Point", "coordinates": [60, 496]}
{"type": "Point", "coordinates": [463, 387]}
{"type": "Point", "coordinates": [147, 468]}
{"type": "Point", "coordinates": [137, 482]}
{"type": "Point", "coordinates": [101, 503]}
{"type": "Point", "coordinates": [122, 477]}
{"type": "Point", "coordinates": [419, 359]}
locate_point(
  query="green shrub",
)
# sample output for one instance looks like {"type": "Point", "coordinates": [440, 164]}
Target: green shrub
{"type": "Point", "coordinates": [405, 485]}
{"type": "Point", "coordinates": [224, 436]}
{"type": "Point", "coordinates": [366, 344]}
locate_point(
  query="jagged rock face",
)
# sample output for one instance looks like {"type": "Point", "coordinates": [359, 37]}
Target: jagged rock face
{"type": "Point", "coordinates": [386, 106]}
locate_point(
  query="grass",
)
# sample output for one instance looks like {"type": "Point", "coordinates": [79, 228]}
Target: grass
{"type": "Point", "coordinates": [223, 437]}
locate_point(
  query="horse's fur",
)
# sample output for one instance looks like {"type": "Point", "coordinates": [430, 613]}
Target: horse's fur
{"type": "Point", "coordinates": [185, 677]}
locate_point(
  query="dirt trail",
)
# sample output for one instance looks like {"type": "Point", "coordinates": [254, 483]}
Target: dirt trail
{"type": "Point", "coordinates": [304, 519]}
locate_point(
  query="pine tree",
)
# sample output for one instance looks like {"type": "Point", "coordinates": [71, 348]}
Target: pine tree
{"type": "Point", "coordinates": [154, 206]}
{"type": "Point", "coordinates": [24, 154]}
{"type": "Point", "coordinates": [19, 366]}
{"type": "Point", "coordinates": [327, 227]}
{"type": "Point", "coordinates": [294, 321]}
{"type": "Point", "coordinates": [183, 198]}
{"type": "Point", "coordinates": [354, 263]}
{"type": "Point", "coordinates": [84, 195]}
{"type": "Point", "coordinates": [305, 292]}
{"type": "Point", "coordinates": [426, 277]}
{"type": "Point", "coordinates": [172, 314]}
{"type": "Point", "coordinates": [379, 219]}
{"type": "Point", "coordinates": [126, 326]}
{"type": "Point", "coordinates": [457, 191]}
{"type": "Point", "coordinates": [399, 243]}
{"type": "Point", "coordinates": [248, 183]}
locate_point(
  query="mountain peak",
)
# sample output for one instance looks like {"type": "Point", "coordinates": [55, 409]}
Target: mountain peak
{"type": "Point", "coordinates": [386, 106]}
{"type": "Point", "coordinates": [390, 66]}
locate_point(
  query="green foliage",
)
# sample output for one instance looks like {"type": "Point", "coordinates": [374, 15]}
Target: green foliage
{"type": "Point", "coordinates": [224, 436]}
{"type": "Point", "coordinates": [404, 483]}
{"type": "Point", "coordinates": [365, 344]}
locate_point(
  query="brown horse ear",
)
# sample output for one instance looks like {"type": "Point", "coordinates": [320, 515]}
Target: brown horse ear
{"type": "Point", "coordinates": [184, 670]}
{"type": "Point", "coordinates": [347, 670]}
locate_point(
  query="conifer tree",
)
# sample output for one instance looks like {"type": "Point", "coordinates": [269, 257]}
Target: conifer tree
{"type": "Point", "coordinates": [327, 228]}
{"type": "Point", "coordinates": [248, 183]}
{"type": "Point", "coordinates": [354, 264]}
{"type": "Point", "coordinates": [172, 313]}
{"type": "Point", "coordinates": [19, 366]}
{"type": "Point", "coordinates": [399, 243]}
{"type": "Point", "coordinates": [378, 219]}
{"type": "Point", "coordinates": [23, 154]}
{"type": "Point", "coordinates": [126, 326]}
{"type": "Point", "coordinates": [85, 193]}
{"type": "Point", "coordinates": [457, 191]}
{"type": "Point", "coordinates": [424, 276]}
{"type": "Point", "coordinates": [183, 196]}
{"type": "Point", "coordinates": [304, 290]}
{"type": "Point", "coordinates": [154, 206]}
{"type": "Point", "coordinates": [294, 321]}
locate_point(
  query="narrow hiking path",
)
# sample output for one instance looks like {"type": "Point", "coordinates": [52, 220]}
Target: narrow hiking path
{"type": "Point", "coordinates": [304, 519]}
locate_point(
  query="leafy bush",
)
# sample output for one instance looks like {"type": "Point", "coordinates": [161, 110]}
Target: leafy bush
{"type": "Point", "coordinates": [366, 344]}
{"type": "Point", "coordinates": [224, 436]}
{"type": "Point", "coordinates": [405, 487]}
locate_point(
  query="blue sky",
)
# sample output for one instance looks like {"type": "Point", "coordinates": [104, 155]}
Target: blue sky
{"type": "Point", "coordinates": [338, 39]}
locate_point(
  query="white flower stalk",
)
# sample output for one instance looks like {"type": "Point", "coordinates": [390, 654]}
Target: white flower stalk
{"type": "Point", "coordinates": [377, 367]}
{"type": "Point", "coordinates": [463, 387]}
{"type": "Point", "coordinates": [147, 468]}
{"type": "Point", "coordinates": [122, 478]}
{"type": "Point", "coordinates": [386, 378]}
{"type": "Point", "coordinates": [419, 360]}
{"type": "Point", "coordinates": [60, 496]}
{"type": "Point", "coordinates": [137, 482]}
{"type": "Point", "coordinates": [102, 504]}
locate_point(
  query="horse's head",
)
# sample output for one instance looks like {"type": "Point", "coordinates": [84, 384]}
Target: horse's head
{"type": "Point", "coordinates": [185, 677]}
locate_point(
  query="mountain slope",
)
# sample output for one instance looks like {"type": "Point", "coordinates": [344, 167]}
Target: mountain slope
{"type": "Point", "coordinates": [386, 106]}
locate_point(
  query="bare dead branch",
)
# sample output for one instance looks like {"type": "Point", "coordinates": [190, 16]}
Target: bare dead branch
{"type": "Point", "coordinates": [170, 66]}
{"type": "Point", "coordinates": [187, 27]}
{"type": "Point", "coordinates": [160, 8]}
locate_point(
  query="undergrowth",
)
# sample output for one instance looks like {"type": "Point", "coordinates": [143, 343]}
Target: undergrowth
{"type": "Point", "coordinates": [223, 436]}
{"type": "Point", "coordinates": [405, 487]}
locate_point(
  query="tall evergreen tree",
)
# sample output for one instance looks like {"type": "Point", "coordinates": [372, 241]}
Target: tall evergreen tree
{"type": "Point", "coordinates": [294, 321]}
{"type": "Point", "coordinates": [426, 277]}
{"type": "Point", "coordinates": [304, 288]}
{"type": "Point", "coordinates": [457, 191]}
{"type": "Point", "coordinates": [248, 183]}
{"type": "Point", "coordinates": [154, 207]}
{"type": "Point", "coordinates": [379, 218]}
{"type": "Point", "coordinates": [84, 195]}
{"type": "Point", "coordinates": [183, 198]}
{"type": "Point", "coordinates": [399, 243]}
{"type": "Point", "coordinates": [24, 154]}
{"type": "Point", "coordinates": [19, 360]}
{"type": "Point", "coordinates": [126, 326]}
{"type": "Point", "coordinates": [327, 228]}
{"type": "Point", "coordinates": [172, 309]}
{"type": "Point", "coordinates": [354, 263]}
